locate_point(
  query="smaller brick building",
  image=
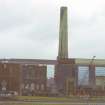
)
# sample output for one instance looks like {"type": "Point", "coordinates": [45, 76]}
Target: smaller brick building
{"type": "Point", "coordinates": [33, 79]}
{"type": "Point", "coordinates": [9, 77]}
{"type": "Point", "coordinates": [23, 79]}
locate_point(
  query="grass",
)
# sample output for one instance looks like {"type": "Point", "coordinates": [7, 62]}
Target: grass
{"type": "Point", "coordinates": [60, 99]}
{"type": "Point", "coordinates": [42, 98]}
{"type": "Point", "coordinates": [40, 104]}
{"type": "Point", "coordinates": [32, 104]}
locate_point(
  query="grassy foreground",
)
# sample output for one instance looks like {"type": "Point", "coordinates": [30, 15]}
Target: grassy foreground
{"type": "Point", "coordinates": [64, 99]}
{"type": "Point", "coordinates": [43, 98]}
{"type": "Point", "coordinates": [42, 104]}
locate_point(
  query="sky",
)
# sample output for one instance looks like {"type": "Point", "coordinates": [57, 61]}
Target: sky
{"type": "Point", "coordinates": [30, 28]}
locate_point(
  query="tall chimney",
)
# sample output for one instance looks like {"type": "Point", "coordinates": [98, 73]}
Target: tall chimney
{"type": "Point", "coordinates": [63, 34]}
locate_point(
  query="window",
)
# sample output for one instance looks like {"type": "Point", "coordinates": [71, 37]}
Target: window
{"type": "Point", "coordinates": [83, 75]}
{"type": "Point", "coordinates": [3, 85]}
{"type": "Point", "coordinates": [27, 86]}
{"type": "Point", "coordinates": [32, 86]}
{"type": "Point", "coordinates": [22, 86]}
{"type": "Point", "coordinates": [37, 86]}
{"type": "Point", "coordinates": [100, 71]}
{"type": "Point", "coordinates": [5, 66]}
{"type": "Point", "coordinates": [42, 86]}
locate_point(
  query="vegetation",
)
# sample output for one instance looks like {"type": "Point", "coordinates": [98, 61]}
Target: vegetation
{"type": "Point", "coordinates": [60, 99]}
{"type": "Point", "coordinates": [40, 104]}
{"type": "Point", "coordinates": [42, 98]}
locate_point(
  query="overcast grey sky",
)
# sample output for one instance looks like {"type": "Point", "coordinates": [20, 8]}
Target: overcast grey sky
{"type": "Point", "coordinates": [30, 28]}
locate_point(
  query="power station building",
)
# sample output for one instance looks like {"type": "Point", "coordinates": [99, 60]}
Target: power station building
{"type": "Point", "coordinates": [29, 76]}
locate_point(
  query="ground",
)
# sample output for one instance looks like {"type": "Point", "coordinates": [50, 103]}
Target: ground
{"type": "Point", "coordinates": [45, 103]}
{"type": "Point", "coordinates": [33, 100]}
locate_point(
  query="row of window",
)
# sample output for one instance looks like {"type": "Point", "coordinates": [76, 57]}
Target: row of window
{"type": "Point", "coordinates": [33, 86]}
{"type": "Point", "coordinates": [83, 74]}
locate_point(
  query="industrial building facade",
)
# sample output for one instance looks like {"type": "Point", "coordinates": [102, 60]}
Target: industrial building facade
{"type": "Point", "coordinates": [69, 82]}
{"type": "Point", "coordinates": [33, 79]}
{"type": "Point", "coordinates": [28, 77]}
{"type": "Point", "coordinates": [23, 79]}
{"type": "Point", "coordinates": [10, 77]}
{"type": "Point", "coordinates": [67, 69]}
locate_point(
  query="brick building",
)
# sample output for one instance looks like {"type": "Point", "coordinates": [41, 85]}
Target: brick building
{"type": "Point", "coordinates": [23, 79]}
{"type": "Point", "coordinates": [65, 71]}
{"type": "Point", "coordinates": [10, 77]}
{"type": "Point", "coordinates": [33, 79]}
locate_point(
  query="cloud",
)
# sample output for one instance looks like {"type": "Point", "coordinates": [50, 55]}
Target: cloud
{"type": "Point", "coordinates": [29, 28]}
{"type": "Point", "coordinates": [87, 31]}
